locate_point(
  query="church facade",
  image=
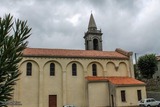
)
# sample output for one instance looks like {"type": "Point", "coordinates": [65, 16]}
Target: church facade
{"type": "Point", "coordinates": [83, 78]}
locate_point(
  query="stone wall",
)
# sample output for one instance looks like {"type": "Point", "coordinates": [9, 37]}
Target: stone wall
{"type": "Point", "coordinates": [155, 95]}
{"type": "Point", "coordinates": [152, 84]}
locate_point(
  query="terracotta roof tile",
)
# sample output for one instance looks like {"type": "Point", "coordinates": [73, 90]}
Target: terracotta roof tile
{"type": "Point", "coordinates": [117, 80]}
{"type": "Point", "coordinates": [72, 53]}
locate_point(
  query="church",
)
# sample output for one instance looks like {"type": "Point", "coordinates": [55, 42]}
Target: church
{"type": "Point", "coordinates": [82, 78]}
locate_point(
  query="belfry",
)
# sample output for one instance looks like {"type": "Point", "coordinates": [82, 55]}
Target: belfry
{"type": "Point", "coordinates": [93, 37]}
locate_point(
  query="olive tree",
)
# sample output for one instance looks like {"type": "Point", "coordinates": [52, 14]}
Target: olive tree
{"type": "Point", "coordinates": [147, 65]}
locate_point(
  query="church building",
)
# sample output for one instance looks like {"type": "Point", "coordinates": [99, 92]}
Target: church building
{"type": "Point", "coordinates": [82, 78]}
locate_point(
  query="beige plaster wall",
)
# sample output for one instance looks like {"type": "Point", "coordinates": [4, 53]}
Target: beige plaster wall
{"type": "Point", "coordinates": [120, 69]}
{"type": "Point", "coordinates": [98, 94]}
{"type": "Point", "coordinates": [29, 86]}
{"type": "Point", "coordinates": [100, 69]}
{"type": "Point", "coordinates": [52, 84]}
{"type": "Point", "coordinates": [75, 86]}
{"type": "Point", "coordinates": [34, 90]}
{"type": "Point", "coordinates": [131, 95]}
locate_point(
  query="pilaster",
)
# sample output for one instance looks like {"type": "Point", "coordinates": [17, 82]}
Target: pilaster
{"type": "Point", "coordinates": [131, 65]}
{"type": "Point", "coordinates": [41, 94]}
{"type": "Point", "coordinates": [64, 81]}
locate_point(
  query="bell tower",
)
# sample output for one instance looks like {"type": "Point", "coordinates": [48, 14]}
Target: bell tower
{"type": "Point", "coordinates": [93, 37]}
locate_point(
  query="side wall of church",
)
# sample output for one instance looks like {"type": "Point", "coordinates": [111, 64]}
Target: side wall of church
{"type": "Point", "coordinates": [34, 90]}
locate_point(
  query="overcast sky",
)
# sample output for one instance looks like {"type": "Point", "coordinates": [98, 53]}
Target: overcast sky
{"type": "Point", "coordinates": [133, 25]}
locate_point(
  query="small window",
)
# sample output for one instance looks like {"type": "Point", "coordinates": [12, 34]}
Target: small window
{"type": "Point", "coordinates": [94, 70]}
{"type": "Point", "coordinates": [29, 69]}
{"type": "Point", "coordinates": [52, 69]}
{"type": "Point", "coordinates": [87, 46]}
{"type": "Point", "coordinates": [139, 95]}
{"type": "Point", "coordinates": [123, 96]}
{"type": "Point", "coordinates": [74, 69]}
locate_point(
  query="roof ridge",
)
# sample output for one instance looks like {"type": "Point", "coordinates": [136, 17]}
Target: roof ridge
{"type": "Point", "coordinates": [117, 80]}
{"type": "Point", "coordinates": [121, 51]}
{"type": "Point", "coordinates": [68, 49]}
{"type": "Point", "coordinates": [46, 52]}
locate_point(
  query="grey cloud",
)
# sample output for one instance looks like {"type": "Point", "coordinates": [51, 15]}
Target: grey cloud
{"type": "Point", "coordinates": [128, 24]}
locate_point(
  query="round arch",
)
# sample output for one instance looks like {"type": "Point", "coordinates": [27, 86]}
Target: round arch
{"type": "Point", "coordinates": [123, 69]}
{"type": "Point", "coordinates": [100, 68]}
{"type": "Point", "coordinates": [95, 63]}
{"type": "Point", "coordinates": [54, 61]}
{"type": "Point", "coordinates": [95, 37]}
{"type": "Point", "coordinates": [30, 61]}
{"type": "Point", "coordinates": [74, 62]}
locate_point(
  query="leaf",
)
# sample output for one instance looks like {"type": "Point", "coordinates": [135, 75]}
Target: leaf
{"type": "Point", "coordinates": [13, 36]}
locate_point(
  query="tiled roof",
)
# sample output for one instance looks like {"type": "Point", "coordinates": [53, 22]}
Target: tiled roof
{"type": "Point", "coordinates": [72, 53]}
{"type": "Point", "coordinates": [117, 80]}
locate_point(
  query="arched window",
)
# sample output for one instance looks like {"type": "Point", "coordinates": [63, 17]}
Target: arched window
{"type": "Point", "coordinates": [52, 69]}
{"type": "Point", "coordinates": [29, 69]}
{"type": "Point", "coordinates": [95, 44]}
{"type": "Point", "coordinates": [74, 69]}
{"type": "Point", "coordinates": [94, 70]}
{"type": "Point", "coordinates": [87, 45]}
